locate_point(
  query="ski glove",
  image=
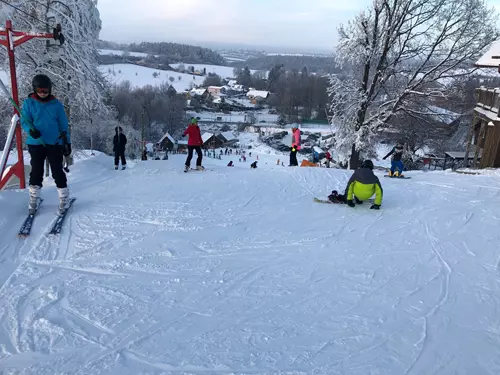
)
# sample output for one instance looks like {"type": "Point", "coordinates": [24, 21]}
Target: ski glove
{"type": "Point", "coordinates": [66, 149]}
{"type": "Point", "coordinates": [35, 133]}
{"type": "Point", "coordinates": [350, 203]}
{"type": "Point", "coordinates": [375, 207]}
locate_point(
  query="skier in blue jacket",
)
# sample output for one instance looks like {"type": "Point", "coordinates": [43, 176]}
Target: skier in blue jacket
{"type": "Point", "coordinates": [45, 121]}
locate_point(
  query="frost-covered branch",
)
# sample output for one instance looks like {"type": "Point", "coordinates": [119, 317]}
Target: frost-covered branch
{"type": "Point", "coordinates": [73, 67]}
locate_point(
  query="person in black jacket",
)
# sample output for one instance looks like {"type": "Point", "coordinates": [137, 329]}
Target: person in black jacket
{"type": "Point", "coordinates": [119, 142]}
{"type": "Point", "coordinates": [397, 165]}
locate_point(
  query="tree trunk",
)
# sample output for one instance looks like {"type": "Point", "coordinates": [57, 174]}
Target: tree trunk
{"type": "Point", "coordinates": [354, 160]}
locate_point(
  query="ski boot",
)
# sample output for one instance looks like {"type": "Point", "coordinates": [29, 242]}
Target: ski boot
{"type": "Point", "coordinates": [186, 168]}
{"type": "Point", "coordinates": [124, 167]}
{"type": "Point", "coordinates": [389, 174]}
{"type": "Point", "coordinates": [63, 199]}
{"type": "Point", "coordinates": [357, 200]}
{"type": "Point", "coordinates": [200, 168]}
{"type": "Point", "coordinates": [116, 167]}
{"type": "Point", "coordinates": [34, 199]}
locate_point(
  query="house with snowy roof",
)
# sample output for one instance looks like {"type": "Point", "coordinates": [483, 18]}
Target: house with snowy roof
{"type": "Point", "coordinates": [491, 59]}
{"type": "Point", "coordinates": [258, 94]}
{"type": "Point", "coordinates": [166, 142]}
{"type": "Point", "coordinates": [199, 93]}
{"type": "Point", "coordinates": [216, 90]}
{"type": "Point", "coordinates": [228, 138]}
{"type": "Point", "coordinates": [210, 140]}
{"type": "Point", "coordinates": [233, 84]}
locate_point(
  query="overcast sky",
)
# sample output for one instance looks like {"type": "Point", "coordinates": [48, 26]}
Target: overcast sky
{"type": "Point", "coordinates": [300, 24]}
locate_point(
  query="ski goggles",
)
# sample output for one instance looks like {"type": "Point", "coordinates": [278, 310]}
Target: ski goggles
{"type": "Point", "coordinates": [42, 91]}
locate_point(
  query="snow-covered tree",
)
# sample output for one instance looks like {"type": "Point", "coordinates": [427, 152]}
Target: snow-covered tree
{"type": "Point", "coordinates": [396, 52]}
{"type": "Point", "coordinates": [73, 67]}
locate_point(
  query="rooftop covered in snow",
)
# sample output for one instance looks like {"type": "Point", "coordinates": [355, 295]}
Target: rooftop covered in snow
{"type": "Point", "coordinates": [258, 94]}
{"type": "Point", "coordinates": [167, 135]}
{"type": "Point", "coordinates": [491, 59]}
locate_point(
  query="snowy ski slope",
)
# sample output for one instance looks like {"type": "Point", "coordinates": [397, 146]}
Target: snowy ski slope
{"type": "Point", "coordinates": [237, 271]}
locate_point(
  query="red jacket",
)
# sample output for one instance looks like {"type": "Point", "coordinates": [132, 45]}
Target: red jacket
{"type": "Point", "coordinates": [193, 131]}
{"type": "Point", "coordinates": [296, 139]}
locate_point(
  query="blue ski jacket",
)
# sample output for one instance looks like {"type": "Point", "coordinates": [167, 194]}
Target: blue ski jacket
{"type": "Point", "coordinates": [48, 117]}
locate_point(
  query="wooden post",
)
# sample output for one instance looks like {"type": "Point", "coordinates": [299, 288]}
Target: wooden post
{"type": "Point", "coordinates": [68, 160]}
{"type": "Point", "coordinates": [469, 140]}
{"type": "Point", "coordinates": [481, 136]}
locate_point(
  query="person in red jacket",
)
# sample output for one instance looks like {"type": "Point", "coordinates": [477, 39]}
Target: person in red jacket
{"type": "Point", "coordinates": [194, 143]}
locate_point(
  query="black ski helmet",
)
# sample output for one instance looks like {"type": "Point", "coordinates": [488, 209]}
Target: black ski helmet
{"type": "Point", "coordinates": [367, 164]}
{"type": "Point", "coordinates": [41, 81]}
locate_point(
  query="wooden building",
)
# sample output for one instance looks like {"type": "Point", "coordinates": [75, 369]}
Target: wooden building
{"type": "Point", "coordinates": [210, 140]}
{"type": "Point", "coordinates": [483, 140]}
{"type": "Point", "coordinates": [166, 142]}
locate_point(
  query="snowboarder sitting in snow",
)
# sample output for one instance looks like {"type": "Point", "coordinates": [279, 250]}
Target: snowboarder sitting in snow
{"type": "Point", "coordinates": [362, 185]}
{"type": "Point", "coordinates": [253, 165]}
{"type": "Point", "coordinates": [397, 165]}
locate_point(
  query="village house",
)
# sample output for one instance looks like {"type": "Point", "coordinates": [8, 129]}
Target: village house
{"type": "Point", "coordinates": [216, 90]}
{"type": "Point", "coordinates": [233, 84]}
{"type": "Point", "coordinates": [228, 138]}
{"type": "Point", "coordinates": [210, 140]}
{"type": "Point", "coordinates": [257, 95]}
{"type": "Point", "coordinates": [166, 142]}
{"type": "Point", "coordinates": [199, 93]}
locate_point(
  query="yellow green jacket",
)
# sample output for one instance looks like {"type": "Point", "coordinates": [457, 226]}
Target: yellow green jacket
{"type": "Point", "coordinates": [363, 184]}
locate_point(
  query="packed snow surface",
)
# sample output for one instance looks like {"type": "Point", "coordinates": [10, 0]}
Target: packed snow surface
{"type": "Point", "coordinates": [140, 76]}
{"type": "Point", "coordinates": [238, 271]}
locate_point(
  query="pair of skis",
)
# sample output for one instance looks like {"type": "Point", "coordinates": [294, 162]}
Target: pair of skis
{"type": "Point", "coordinates": [56, 227]}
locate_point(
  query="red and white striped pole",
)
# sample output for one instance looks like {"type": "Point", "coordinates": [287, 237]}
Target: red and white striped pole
{"type": "Point", "coordinates": [11, 40]}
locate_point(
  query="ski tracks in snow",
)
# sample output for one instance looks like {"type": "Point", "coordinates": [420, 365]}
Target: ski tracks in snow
{"type": "Point", "coordinates": [156, 271]}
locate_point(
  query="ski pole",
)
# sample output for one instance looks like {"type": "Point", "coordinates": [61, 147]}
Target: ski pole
{"type": "Point", "coordinates": [7, 93]}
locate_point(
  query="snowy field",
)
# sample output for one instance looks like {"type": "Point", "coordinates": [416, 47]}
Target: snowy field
{"type": "Point", "coordinates": [120, 53]}
{"type": "Point", "coordinates": [140, 76]}
{"type": "Point", "coordinates": [222, 71]}
{"type": "Point", "coordinates": [238, 271]}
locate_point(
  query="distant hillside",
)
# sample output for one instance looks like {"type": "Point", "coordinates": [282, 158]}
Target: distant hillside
{"type": "Point", "coordinates": [314, 64]}
{"type": "Point", "coordinates": [170, 52]}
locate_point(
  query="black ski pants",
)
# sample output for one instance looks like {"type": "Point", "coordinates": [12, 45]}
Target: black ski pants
{"type": "Point", "coordinates": [190, 155]}
{"type": "Point", "coordinates": [120, 154]}
{"type": "Point", "coordinates": [293, 158]}
{"type": "Point", "coordinates": [53, 153]}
